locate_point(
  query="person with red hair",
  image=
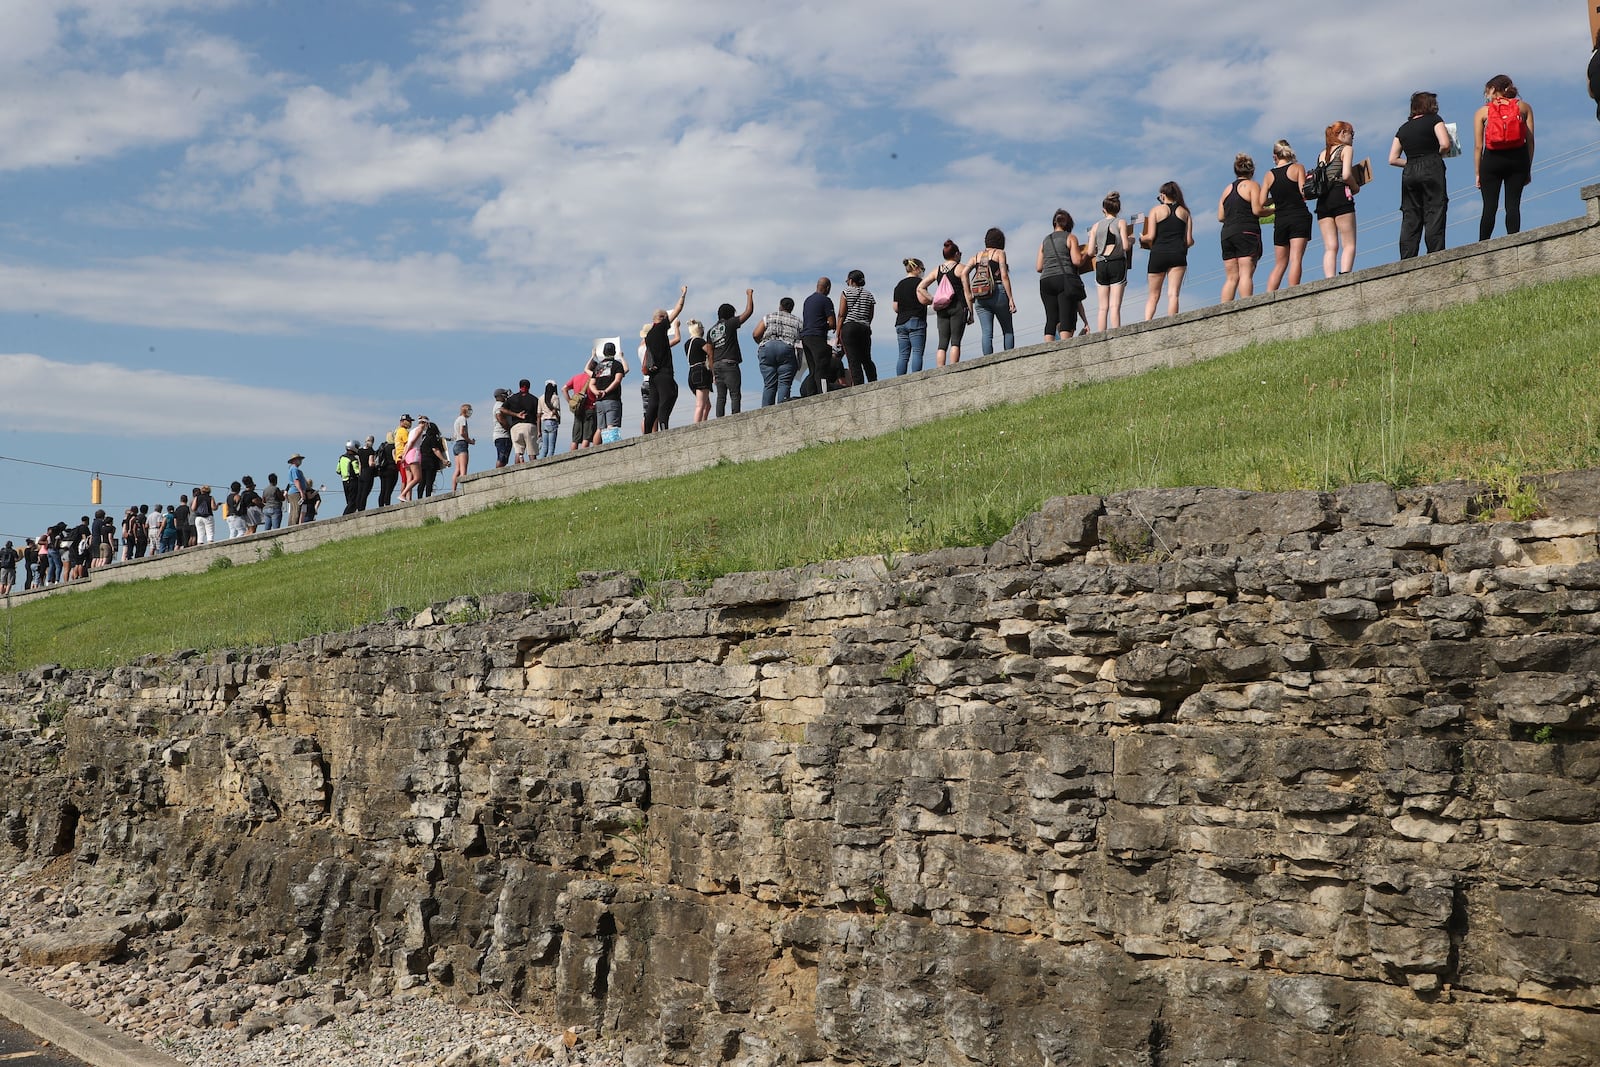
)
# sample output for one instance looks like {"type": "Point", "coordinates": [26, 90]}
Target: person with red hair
{"type": "Point", "coordinates": [1336, 207]}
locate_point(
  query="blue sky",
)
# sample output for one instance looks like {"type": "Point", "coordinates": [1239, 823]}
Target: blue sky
{"type": "Point", "coordinates": [231, 231]}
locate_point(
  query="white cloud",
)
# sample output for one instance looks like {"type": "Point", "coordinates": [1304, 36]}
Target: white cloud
{"type": "Point", "coordinates": [287, 293]}
{"type": "Point", "coordinates": [627, 146]}
{"type": "Point", "coordinates": [119, 401]}
{"type": "Point", "coordinates": [72, 89]}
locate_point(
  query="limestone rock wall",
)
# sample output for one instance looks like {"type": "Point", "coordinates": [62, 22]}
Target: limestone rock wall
{"type": "Point", "coordinates": [1187, 777]}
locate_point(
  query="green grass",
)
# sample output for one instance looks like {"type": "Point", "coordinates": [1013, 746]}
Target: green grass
{"type": "Point", "coordinates": [1509, 384]}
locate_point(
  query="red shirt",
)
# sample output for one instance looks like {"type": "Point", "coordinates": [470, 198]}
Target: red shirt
{"type": "Point", "coordinates": [579, 383]}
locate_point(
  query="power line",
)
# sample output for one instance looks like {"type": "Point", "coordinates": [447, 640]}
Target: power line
{"type": "Point", "coordinates": [168, 482]}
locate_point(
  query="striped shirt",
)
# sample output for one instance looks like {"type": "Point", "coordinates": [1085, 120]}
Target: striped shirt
{"type": "Point", "coordinates": [860, 303]}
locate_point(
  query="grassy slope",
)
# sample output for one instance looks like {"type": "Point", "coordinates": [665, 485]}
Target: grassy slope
{"type": "Point", "coordinates": [1506, 385]}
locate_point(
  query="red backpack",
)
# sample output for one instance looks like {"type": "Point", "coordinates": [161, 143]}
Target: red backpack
{"type": "Point", "coordinates": [1504, 128]}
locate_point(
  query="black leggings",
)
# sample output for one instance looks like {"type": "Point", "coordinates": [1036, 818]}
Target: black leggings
{"type": "Point", "coordinates": [1061, 301]}
{"type": "Point", "coordinates": [1510, 167]}
{"type": "Point", "coordinates": [856, 338]}
{"type": "Point", "coordinates": [952, 320]}
{"type": "Point", "coordinates": [658, 405]}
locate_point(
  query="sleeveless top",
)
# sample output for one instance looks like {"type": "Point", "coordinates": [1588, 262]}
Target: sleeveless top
{"type": "Point", "coordinates": [1057, 255]}
{"type": "Point", "coordinates": [1106, 230]}
{"type": "Point", "coordinates": [1237, 215]}
{"type": "Point", "coordinates": [1287, 201]}
{"type": "Point", "coordinates": [1170, 234]}
{"type": "Point", "coordinates": [960, 299]}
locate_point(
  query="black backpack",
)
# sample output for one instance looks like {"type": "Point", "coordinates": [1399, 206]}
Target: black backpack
{"type": "Point", "coordinates": [1319, 182]}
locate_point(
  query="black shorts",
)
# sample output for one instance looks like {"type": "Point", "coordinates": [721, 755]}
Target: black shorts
{"type": "Point", "coordinates": [1111, 271]}
{"type": "Point", "coordinates": [1161, 262]}
{"type": "Point", "coordinates": [1243, 245]}
{"type": "Point", "coordinates": [699, 377]}
{"type": "Point", "coordinates": [1296, 228]}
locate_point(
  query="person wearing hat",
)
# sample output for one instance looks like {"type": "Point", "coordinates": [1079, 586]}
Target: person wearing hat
{"type": "Point", "coordinates": [606, 371]}
{"type": "Point", "coordinates": [297, 486]}
{"type": "Point", "coordinates": [402, 441]}
{"type": "Point", "coordinates": [502, 428]}
{"type": "Point", "coordinates": [349, 471]}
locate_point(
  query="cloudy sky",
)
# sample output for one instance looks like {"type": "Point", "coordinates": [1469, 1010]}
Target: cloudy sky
{"type": "Point", "coordinates": [232, 230]}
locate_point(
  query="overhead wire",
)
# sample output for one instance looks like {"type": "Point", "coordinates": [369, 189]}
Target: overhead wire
{"type": "Point", "coordinates": [168, 482]}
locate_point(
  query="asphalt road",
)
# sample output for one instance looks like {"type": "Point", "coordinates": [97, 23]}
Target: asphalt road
{"type": "Point", "coordinates": [18, 1048]}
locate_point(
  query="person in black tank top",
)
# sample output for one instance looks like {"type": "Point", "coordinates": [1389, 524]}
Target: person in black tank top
{"type": "Point", "coordinates": [1241, 229]}
{"type": "Point", "coordinates": [1291, 223]}
{"type": "Point", "coordinates": [1419, 147]}
{"type": "Point", "coordinates": [1168, 234]}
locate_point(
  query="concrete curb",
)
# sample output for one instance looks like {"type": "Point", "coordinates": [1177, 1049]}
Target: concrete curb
{"type": "Point", "coordinates": [88, 1039]}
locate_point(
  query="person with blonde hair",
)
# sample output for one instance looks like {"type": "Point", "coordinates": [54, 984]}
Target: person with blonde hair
{"type": "Point", "coordinates": [1503, 152]}
{"type": "Point", "coordinates": [1291, 223]}
{"type": "Point", "coordinates": [699, 354]}
{"type": "Point", "coordinates": [910, 317]}
{"type": "Point", "coordinates": [1239, 212]}
{"type": "Point", "coordinates": [460, 440]}
{"type": "Point", "coordinates": [1336, 207]}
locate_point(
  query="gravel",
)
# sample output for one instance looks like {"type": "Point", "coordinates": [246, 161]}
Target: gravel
{"type": "Point", "coordinates": [212, 1003]}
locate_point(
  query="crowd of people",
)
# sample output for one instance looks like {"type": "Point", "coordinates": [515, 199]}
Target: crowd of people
{"type": "Point", "coordinates": [830, 340]}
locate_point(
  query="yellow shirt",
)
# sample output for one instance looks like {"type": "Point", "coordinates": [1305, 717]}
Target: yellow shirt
{"type": "Point", "coordinates": [402, 433]}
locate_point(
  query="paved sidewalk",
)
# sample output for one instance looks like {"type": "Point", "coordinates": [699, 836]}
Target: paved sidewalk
{"type": "Point", "coordinates": [22, 1049]}
{"type": "Point", "coordinates": [96, 1043]}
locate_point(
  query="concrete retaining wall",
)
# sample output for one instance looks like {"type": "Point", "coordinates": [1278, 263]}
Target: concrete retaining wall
{"type": "Point", "coordinates": [1457, 276]}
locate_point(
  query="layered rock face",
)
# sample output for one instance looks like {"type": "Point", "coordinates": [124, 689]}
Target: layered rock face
{"type": "Point", "coordinates": [1172, 777]}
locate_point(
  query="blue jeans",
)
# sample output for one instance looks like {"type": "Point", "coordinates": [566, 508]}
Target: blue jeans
{"type": "Point", "coordinates": [913, 336]}
{"type": "Point", "coordinates": [779, 364]}
{"type": "Point", "coordinates": [547, 438]}
{"type": "Point", "coordinates": [272, 518]}
{"type": "Point", "coordinates": [991, 307]}
{"type": "Point", "coordinates": [53, 573]}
